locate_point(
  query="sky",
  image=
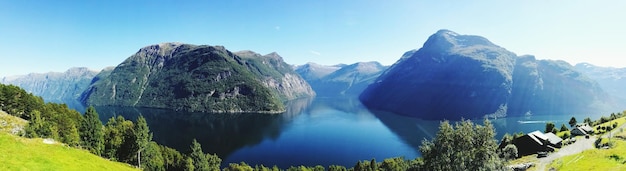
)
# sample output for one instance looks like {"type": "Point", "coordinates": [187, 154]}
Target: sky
{"type": "Point", "coordinates": [44, 36]}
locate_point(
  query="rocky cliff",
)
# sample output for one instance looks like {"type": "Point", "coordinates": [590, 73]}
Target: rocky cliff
{"type": "Point", "coordinates": [457, 76]}
{"type": "Point", "coordinates": [197, 78]}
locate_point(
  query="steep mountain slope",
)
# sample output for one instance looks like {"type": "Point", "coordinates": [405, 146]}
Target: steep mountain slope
{"type": "Point", "coordinates": [612, 80]}
{"type": "Point", "coordinates": [463, 76]}
{"type": "Point", "coordinates": [277, 75]}
{"type": "Point", "coordinates": [349, 80]}
{"type": "Point", "coordinates": [54, 86]}
{"type": "Point", "coordinates": [197, 78]}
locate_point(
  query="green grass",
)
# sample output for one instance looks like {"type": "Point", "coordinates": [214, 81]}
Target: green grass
{"type": "Point", "coordinates": [526, 159]}
{"type": "Point", "coordinates": [619, 121]}
{"type": "Point", "coordinates": [594, 159]}
{"type": "Point", "coordinates": [19, 153]}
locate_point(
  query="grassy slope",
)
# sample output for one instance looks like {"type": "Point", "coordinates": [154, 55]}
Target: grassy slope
{"type": "Point", "coordinates": [17, 153]}
{"type": "Point", "coordinates": [8, 122]}
{"type": "Point", "coordinates": [595, 159]}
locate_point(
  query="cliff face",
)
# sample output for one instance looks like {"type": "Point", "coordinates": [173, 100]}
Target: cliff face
{"type": "Point", "coordinates": [277, 75]}
{"type": "Point", "coordinates": [462, 76]}
{"type": "Point", "coordinates": [194, 78]}
{"type": "Point", "coordinates": [54, 86]}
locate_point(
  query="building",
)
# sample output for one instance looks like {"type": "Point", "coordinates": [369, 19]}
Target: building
{"type": "Point", "coordinates": [532, 143]}
{"type": "Point", "coordinates": [581, 129]}
{"type": "Point", "coordinates": [553, 140]}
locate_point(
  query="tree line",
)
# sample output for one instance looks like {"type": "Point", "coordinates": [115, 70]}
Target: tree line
{"type": "Point", "coordinates": [460, 146]}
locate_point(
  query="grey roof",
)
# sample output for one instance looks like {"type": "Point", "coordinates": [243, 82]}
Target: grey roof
{"type": "Point", "coordinates": [553, 138]}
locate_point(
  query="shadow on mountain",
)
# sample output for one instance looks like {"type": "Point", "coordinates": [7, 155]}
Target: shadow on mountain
{"type": "Point", "coordinates": [221, 134]}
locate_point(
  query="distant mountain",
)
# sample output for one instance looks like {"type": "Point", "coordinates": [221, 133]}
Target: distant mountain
{"type": "Point", "coordinates": [457, 76]}
{"type": "Point", "coordinates": [198, 78]}
{"type": "Point", "coordinates": [340, 80]}
{"type": "Point", "coordinates": [313, 71]}
{"type": "Point", "coordinates": [54, 86]}
{"type": "Point", "coordinates": [612, 80]}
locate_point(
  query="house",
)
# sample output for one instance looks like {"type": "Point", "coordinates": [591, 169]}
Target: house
{"type": "Point", "coordinates": [532, 143]}
{"type": "Point", "coordinates": [553, 140]}
{"type": "Point", "coordinates": [581, 129]}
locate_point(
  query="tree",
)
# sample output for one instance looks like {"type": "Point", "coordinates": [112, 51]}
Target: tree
{"type": "Point", "coordinates": [189, 166]}
{"type": "Point", "coordinates": [563, 128]}
{"type": "Point", "coordinates": [153, 157]}
{"type": "Point", "coordinates": [200, 162]}
{"type": "Point", "coordinates": [336, 168]}
{"type": "Point", "coordinates": [549, 127]}
{"type": "Point", "coordinates": [238, 167]}
{"type": "Point", "coordinates": [464, 147]}
{"type": "Point", "coordinates": [509, 152]}
{"type": "Point", "coordinates": [588, 121]}
{"type": "Point", "coordinates": [572, 122]}
{"type": "Point", "coordinates": [143, 135]}
{"type": "Point", "coordinates": [92, 136]}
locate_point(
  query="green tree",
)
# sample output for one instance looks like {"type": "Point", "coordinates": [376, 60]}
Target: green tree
{"type": "Point", "coordinates": [588, 121]}
{"type": "Point", "coordinates": [189, 166]}
{"type": "Point", "coordinates": [572, 122]}
{"type": "Point", "coordinates": [153, 158]}
{"type": "Point", "coordinates": [143, 137]}
{"type": "Point", "coordinates": [464, 147]}
{"type": "Point", "coordinates": [549, 127]}
{"type": "Point", "coordinates": [336, 168]}
{"type": "Point", "coordinates": [200, 162]}
{"type": "Point", "coordinates": [509, 152]}
{"type": "Point", "coordinates": [173, 159]}
{"type": "Point", "coordinates": [238, 167]}
{"type": "Point", "coordinates": [563, 128]}
{"type": "Point", "coordinates": [92, 136]}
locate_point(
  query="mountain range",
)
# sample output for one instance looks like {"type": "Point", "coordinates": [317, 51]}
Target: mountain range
{"type": "Point", "coordinates": [456, 76]}
{"type": "Point", "coordinates": [340, 80]}
{"type": "Point", "coordinates": [54, 86]}
{"type": "Point", "coordinates": [452, 76]}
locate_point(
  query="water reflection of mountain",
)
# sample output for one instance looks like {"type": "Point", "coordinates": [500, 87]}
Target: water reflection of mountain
{"type": "Point", "coordinates": [221, 134]}
{"type": "Point", "coordinates": [411, 130]}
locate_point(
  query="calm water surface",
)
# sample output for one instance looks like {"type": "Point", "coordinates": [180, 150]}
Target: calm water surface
{"type": "Point", "coordinates": [319, 131]}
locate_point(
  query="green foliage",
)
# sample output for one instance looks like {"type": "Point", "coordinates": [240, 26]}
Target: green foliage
{"type": "Point", "coordinates": [238, 167]}
{"type": "Point", "coordinates": [572, 122]}
{"type": "Point", "coordinates": [172, 159]}
{"type": "Point", "coordinates": [153, 158]}
{"type": "Point", "coordinates": [143, 137]}
{"type": "Point", "coordinates": [463, 147]}
{"type": "Point", "coordinates": [509, 152]}
{"type": "Point", "coordinates": [336, 168]}
{"type": "Point", "coordinates": [116, 133]}
{"type": "Point", "coordinates": [201, 161]}
{"type": "Point", "coordinates": [588, 121]}
{"type": "Point", "coordinates": [91, 132]}
{"type": "Point", "coordinates": [189, 165]}
{"type": "Point", "coordinates": [550, 127]}
{"type": "Point", "coordinates": [563, 128]}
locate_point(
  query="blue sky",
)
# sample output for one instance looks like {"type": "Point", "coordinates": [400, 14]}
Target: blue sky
{"type": "Point", "coordinates": [43, 36]}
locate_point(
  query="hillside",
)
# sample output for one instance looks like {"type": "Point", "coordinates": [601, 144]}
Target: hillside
{"type": "Point", "coordinates": [199, 79]}
{"type": "Point", "coordinates": [54, 86]}
{"type": "Point", "coordinates": [612, 80]}
{"type": "Point", "coordinates": [32, 154]}
{"type": "Point", "coordinates": [456, 76]}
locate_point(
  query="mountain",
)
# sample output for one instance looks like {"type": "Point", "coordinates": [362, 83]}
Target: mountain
{"type": "Point", "coordinates": [610, 79]}
{"type": "Point", "coordinates": [312, 71]}
{"type": "Point", "coordinates": [340, 80]}
{"type": "Point", "coordinates": [457, 76]}
{"type": "Point", "coordinates": [198, 78]}
{"type": "Point", "coordinates": [54, 86]}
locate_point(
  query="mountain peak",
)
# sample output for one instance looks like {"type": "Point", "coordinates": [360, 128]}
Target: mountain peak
{"type": "Point", "coordinates": [448, 40]}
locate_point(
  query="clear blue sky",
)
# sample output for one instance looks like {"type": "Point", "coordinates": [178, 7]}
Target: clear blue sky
{"type": "Point", "coordinates": [43, 36]}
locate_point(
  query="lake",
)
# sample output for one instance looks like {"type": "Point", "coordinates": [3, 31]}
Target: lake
{"type": "Point", "coordinates": [313, 131]}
